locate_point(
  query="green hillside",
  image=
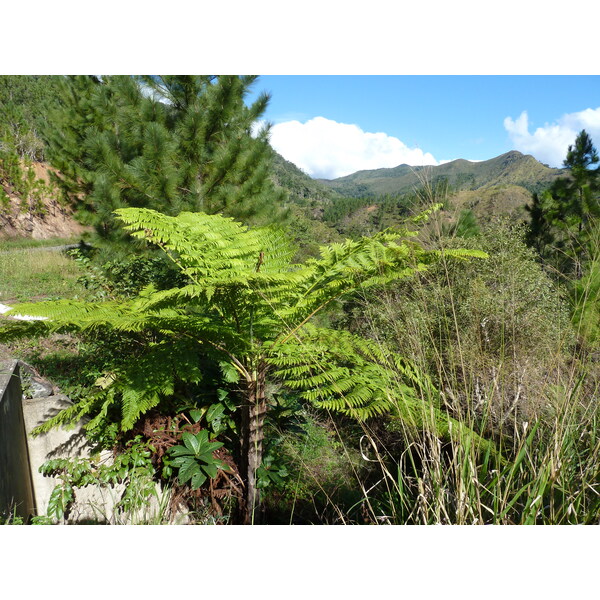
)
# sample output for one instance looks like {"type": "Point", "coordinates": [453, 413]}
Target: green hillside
{"type": "Point", "coordinates": [307, 199]}
{"type": "Point", "coordinates": [301, 188]}
{"type": "Point", "coordinates": [512, 168]}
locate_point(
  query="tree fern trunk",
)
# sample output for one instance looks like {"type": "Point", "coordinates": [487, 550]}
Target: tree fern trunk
{"type": "Point", "coordinates": [253, 416]}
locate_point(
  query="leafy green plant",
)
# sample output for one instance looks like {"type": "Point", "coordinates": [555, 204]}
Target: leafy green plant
{"type": "Point", "coordinates": [194, 460]}
{"type": "Point", "coordinates": [271, 472]}
{"type": "Point", "coordinates": [133, 467]}
{"type": "Point", "coordinates": [12, 518]}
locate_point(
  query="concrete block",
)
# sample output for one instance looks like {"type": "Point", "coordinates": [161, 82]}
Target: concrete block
{"type": "Point", "coordinates": [93, 504]}
{"type": "Point", "coordinates": [16, 486]}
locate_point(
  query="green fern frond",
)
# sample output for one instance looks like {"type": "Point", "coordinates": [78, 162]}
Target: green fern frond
{"type": "Point", "coordinates": [73, 414]}
{"type": "Point", "coordinates": [245, 304]}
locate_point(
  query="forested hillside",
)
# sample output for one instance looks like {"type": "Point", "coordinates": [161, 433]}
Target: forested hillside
{"type": "Point", "coordinates": [319, 210]}
{"type": "Point", "coordinates": [30, 204]}
{"type": "Point", "coordinates": [399, 346]}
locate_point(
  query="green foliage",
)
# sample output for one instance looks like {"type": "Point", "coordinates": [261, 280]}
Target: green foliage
{"type": "Point", "coordinates": [271, 472]}
{"type": "Point", "coordinates": [218, 415]}
{"type": "Point", "coordinates": [511, 300]}
{"type": "Point", "coordinates": [125, 277]}
{"type": "Point", "coordinates": [323, 471]}
{"type": "Point", "coordinates": [550, 475]}
{"type": "Point", "coordinates": [580, 160]}
{"type": "Point", "coordinates": [585, 294]}
{"type": "Point", "coordinates": [564, 218]}
{"type": "Point", "coordinates": [24, 105]}
{"type": "Point", "coordinates": [17, 176]}
{"type": "Point", "coordinates": [487, 333]}
{"type": "Point", "coordinates": [336, 210]}
{"type": "Point", "coordinates": [359, 216]}
{"type": "Point", "coordinates": [170, 143]}
{"type": "Point", "coordinates": [133, 467]}
{"type": "Point", "coordinates": [25, 101]}
{"type": "Point", "coordinates": [247, 308]}
{"type": "Point", "coordinates": [339, 371]}
{"type": "Point", "coordinates": [195, 460]}
{"type": "Point", "coordinates": [223, 262]}
{"type": "Point", "coordinates": [466, 226]}
{"type": "Point", "coordinates": [302, 190]}
{"type": "Point", "coordinates": [539, 234]}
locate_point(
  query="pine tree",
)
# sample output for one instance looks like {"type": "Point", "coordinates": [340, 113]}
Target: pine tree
{"type": "Point", "coordinates": [539, 234]}
{"type": "Point", "coordinates": [168, 143]}
{"type": "Point", "coordinates": [565, 215]}
{"type": "Point", "coordinates": [466, 225]}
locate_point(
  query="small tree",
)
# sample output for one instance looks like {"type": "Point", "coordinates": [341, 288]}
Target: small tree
{"type": "Point", "coordinates": [249, 310]}
{"type": "Point", "coordinates": [539, 233]}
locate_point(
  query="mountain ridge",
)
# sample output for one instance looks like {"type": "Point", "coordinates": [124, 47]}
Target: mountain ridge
{"type": "Point", "coordinates": [510, 168]}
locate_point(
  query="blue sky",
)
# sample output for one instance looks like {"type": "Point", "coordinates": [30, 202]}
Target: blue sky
{"type": "Point", "coordinates": [331, 125]}
{"type": "Point", "coordinates": [425, 119]}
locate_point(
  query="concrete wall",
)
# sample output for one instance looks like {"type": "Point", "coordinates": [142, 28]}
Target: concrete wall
{"type": "Point", "coordinates": [24, 491]}
{"type": "Point", "coordinates": [16, 488]}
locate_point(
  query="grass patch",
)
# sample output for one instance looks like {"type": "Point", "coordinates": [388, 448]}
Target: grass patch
{"type": "Point", "coordinates": [31, 275]}
{"type": "Point", "coordinates": [11, 244]}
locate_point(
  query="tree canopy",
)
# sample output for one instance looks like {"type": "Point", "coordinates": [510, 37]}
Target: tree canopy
{"type": "Point", "coordinates": [169, 143]}
{"type": "Point", "coordinates": [564, 216]}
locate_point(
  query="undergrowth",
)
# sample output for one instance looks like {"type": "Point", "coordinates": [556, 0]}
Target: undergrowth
{"type": "Point", "coordinates": [510, 364]}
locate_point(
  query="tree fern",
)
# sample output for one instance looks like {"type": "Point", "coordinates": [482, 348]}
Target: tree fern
{"type": "Point", "coordinates": [247, 306]}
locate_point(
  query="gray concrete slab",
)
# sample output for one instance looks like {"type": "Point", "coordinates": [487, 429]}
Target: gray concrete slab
{"type": "Point", "coordinates": [16, 486]}
{"type": "Point", "coordinates": [93, 504]}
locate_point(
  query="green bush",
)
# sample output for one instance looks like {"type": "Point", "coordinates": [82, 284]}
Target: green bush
{"type": "Point", "coordinates": [490, 333]}
{"type": "Point", "coordinates": [321, 482]}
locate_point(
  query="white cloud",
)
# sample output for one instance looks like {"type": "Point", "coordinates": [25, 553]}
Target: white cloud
{"type": "Point", "coordinates": [327, 149]}
{"type": "Point", "coordinates": [549, 143]}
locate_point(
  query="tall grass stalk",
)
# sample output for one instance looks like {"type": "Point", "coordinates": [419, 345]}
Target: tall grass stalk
{"type": "Point", "coordinates": [532, 389]}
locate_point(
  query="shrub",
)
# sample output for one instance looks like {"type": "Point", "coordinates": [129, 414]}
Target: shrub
{"type": "Point", "coordinates": [491, 333]}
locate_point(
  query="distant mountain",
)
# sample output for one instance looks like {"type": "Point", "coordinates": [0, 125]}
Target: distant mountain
{"type": "Point", "coordinates": [512, 168]}
{"type": "Point", "coordinates": [301, 188]}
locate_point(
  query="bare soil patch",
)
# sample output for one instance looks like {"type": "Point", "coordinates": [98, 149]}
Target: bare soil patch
{"type": "Point", "coordinates": [53, 220]}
